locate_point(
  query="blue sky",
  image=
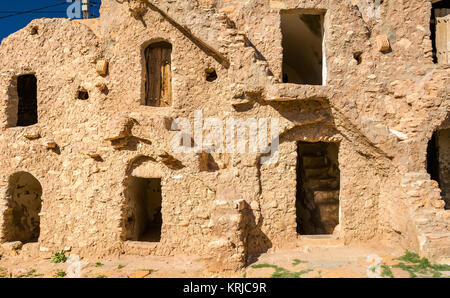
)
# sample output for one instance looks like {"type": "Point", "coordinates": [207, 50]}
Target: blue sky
{"type": "Point", "coordinates": [12, 24]}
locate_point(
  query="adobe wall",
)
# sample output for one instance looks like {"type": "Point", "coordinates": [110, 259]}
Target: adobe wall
{"type": "Point", "coordinates": [387, 106]}
{"type": "Point", "coordinates": [381, 112]}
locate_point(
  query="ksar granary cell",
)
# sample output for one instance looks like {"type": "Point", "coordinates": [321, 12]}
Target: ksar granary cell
{"type": "Point", "coordinates": [360, 89]}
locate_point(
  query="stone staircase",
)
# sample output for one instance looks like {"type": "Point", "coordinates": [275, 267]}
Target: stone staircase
{"type": "Point", "coordinates": [229, 228]}
{"type": "Point", "coordinates": [432, 221]}
{"type": "Point", "coordinates": [321, 188]}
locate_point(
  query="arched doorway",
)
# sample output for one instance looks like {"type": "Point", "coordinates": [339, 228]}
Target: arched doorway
{"type": "Point", "coordinates": [22, 221]}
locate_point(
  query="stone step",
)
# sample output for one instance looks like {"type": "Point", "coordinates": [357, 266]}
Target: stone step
{"type": "Point", "coordinates": [322, 172]}
{"type": "Point", "coordinates": [323, 184]}
{"type": "Point", "coordinates": [313, 162]}
{"type": "Point", "coordinates": [326, 197]}
{"type": "Point", "coordinates": [327, 203]}
{"type": "Point", "coordinates": [311, 241]}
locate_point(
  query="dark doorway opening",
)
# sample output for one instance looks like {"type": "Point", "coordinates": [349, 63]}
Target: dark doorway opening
{"type": "Point", "coordinates": [433, 158]}
{"type": "Point", "coordinates": [318, 183]}
{"type": "Point", "coordinates": [144, 218]}
{"type": "Point", "coordinates": [27, 113]}
{"type": "Point", "coordinates": [21, 219]}
{"type": "Point", "coordinates": [302, 47]}
{"type": "Point", "coordinates": [438, 162]}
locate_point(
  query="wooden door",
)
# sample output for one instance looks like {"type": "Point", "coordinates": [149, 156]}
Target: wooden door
{"type": "Point", "coordinates": [443, 35]}
{"type": "Point", "coordinates": [158, 85]}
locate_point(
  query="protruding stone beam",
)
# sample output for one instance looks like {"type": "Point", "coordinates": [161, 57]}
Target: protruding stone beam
{"type": "Point", "coordinates": [118, 128]}
{"type": "Point", "coordinates": [32, 133]}
{"type": "Point", "coordinates": [292, 92]}
{"type": "Point", "coordinates": [50, 143]}
{"type": "Point", "coordinates": [102, 67]}
{"type": "Point", "coordinates": [383, 44]}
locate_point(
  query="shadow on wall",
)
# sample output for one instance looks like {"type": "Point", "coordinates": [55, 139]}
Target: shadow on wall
{"type": "Point", "coordinates": [257, 242]}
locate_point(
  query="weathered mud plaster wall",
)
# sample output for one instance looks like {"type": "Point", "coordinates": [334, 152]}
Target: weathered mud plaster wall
{"type": "Point", "coordinates": [387, 105]}
{"type": "Point", "coordinates": [186, 197]}
{"type": "Point", "coordinates": [61, 55]}
{"type": "Point", "coordinates": [382, 112]}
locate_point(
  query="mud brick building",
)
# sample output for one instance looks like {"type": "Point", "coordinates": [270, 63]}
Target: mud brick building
{"type": "Point", "coordinates": [360, 88]}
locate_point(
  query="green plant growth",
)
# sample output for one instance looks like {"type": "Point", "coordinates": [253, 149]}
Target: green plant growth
{"type": "Point", "coordinates": [386, 271]}
{"type": "Point", "coordinates": [101, 276]}
{"type": "Point", "coordinates": [98, 264]}
{"type": "Point", "coordinates": [150, 270]}
{"type": "Point", "coordinates": [419, 267]}
{"type": "Point", "coordinates": [59, 257]}
{"type": "Point", "coordinates": [295, 262]}
{"type": "Point", "coordinates": [60, 273]}
{"type": "Point", "coordinates": [29, 274]}
{"type": "Point", "coordinates": [282, 272]}
{"type": "Point", "coordinates": [120, 267]}
{"type": "Point", "coordinates": [409, 257]}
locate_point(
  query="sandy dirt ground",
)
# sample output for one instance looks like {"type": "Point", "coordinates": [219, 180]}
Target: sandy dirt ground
{"type": "Point", "coordinates": [305, 262]}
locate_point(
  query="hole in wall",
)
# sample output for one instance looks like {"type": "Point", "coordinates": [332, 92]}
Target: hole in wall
{"type": "Point", "coordinates": [83, 94]}
{"type": "Point", "coordinates": [210, 74]}
{"type": "Point", "coordinates": [358, 57]}
{"type": "Point", "coordinates": [318, 183]}
{"type": "Point", "coordinates": [302, 47]}
{"type": "Point", "coordinates": [438, 162]}
{"type": "Point", "coordinates": [34, 30]}
{"type": "Point", "coordinates": [27, 113]}
{"type": "Point", "coordinates": [144, 218]}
